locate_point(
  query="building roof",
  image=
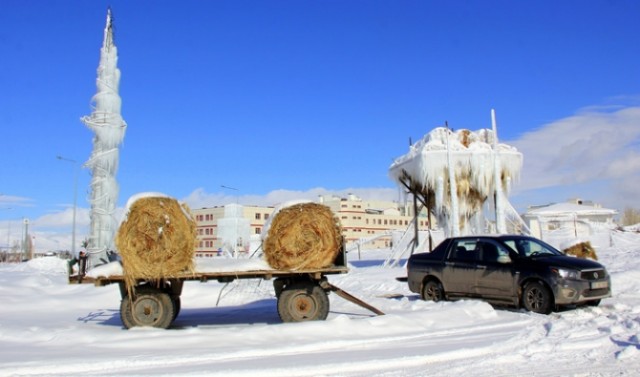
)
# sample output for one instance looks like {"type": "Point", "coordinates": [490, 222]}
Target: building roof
{"type": "Point", "coordinates": [559, 209]}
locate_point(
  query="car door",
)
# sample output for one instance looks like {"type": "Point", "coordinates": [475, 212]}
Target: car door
{"type": "Point", "coordinates": [494, 271]}
{"type": "Point", "coordinates": [460, 268]}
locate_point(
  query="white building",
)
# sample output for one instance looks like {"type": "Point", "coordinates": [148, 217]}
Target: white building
{"type": "Point", "coordinates": [375, 221]}
{"type": "Point", "coordinates": [575, 218]}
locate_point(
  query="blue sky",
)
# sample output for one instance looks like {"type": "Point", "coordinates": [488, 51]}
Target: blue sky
{"type": "Point", "coordinates": [290, 98]}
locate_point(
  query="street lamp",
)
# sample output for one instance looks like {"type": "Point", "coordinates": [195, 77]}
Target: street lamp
{"type": "Point", "coordinates": [75, 202]}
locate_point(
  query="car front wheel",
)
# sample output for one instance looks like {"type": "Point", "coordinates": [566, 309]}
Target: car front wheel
{"type": "Point", "coordinates": [537, 298]}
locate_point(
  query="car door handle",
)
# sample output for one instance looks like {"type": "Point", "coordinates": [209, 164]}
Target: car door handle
{"type": "Point", "coordinates": [481, 267]}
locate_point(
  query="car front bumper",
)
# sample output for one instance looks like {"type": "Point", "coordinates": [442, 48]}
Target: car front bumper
{"type": "Point", "coordinates": [568, 292]}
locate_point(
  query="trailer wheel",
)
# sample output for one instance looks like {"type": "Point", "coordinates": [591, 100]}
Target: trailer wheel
{"type": "Point", "coordinates": [303, 302]}
{"type": "Point", "coordinates": [147, 308]}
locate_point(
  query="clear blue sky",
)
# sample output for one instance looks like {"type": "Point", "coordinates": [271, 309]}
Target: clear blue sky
{"type": "Point", "coordinates": [297, 95]}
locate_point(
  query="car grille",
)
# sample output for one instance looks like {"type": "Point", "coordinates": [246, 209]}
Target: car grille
{"type": "Point", "coordinates": [593, 274]}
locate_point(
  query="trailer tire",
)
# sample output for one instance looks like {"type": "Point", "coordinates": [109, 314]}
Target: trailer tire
{"type": "Point", "coordinates": [305, 301]}
{"type": "Point", "coordinates": [147, 308]}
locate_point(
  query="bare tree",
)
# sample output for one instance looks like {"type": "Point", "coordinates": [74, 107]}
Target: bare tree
{"type": "Point", "coordinates": [630, 216]}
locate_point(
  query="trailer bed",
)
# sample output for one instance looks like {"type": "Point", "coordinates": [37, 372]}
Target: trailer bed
{"type": "Point", "coordinates": [222, 276]}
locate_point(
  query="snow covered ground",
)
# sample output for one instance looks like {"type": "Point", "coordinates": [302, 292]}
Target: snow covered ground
{"type": "Point", "coordinates": [48, 327]}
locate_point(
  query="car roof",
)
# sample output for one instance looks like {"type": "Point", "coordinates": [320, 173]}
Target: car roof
{"type": "Point", "coordinates": [494, 236]}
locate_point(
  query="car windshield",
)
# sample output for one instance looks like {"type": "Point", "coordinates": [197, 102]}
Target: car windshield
{"type": "Point", "coordinates": [530, 247]}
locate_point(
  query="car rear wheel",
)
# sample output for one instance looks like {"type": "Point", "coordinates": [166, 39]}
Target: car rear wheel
{"type": "Point", "coordinates": [537, 298]}
{"type": "Point", "coordinates": [432, 291]}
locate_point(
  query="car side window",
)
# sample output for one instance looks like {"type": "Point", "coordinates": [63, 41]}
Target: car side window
{"type": "Point", "coordinates": [494, 253]}
{"type": "Point", "coordinates": [464, 251]}
{"type": "Point", "coordinates": [489, 252]}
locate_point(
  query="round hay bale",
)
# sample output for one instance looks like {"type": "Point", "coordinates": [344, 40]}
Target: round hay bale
{"type": "Point", "coordinates": [582, 250]}
{"type": "Point", "coordinates": [156, 240]}
{"type": "Point", "coordinates": [303, 236]}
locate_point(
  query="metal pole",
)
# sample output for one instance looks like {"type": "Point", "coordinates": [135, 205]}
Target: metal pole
{"type": "Point", "coordinates": [501, 227]}
{"type": "Point", "coordinates": [416, 230]}
{"type": "Point", "coordinates": [453, 190]}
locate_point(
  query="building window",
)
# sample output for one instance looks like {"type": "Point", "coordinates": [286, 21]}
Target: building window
{"type": "Point", "coordinates": [554, 225]}
{"type": "Point", "coordinates": [257, 216]}
{"type": "Point", "coordinates": [266, 216]}
{"type": "Point", "coordinates": [258, 230]}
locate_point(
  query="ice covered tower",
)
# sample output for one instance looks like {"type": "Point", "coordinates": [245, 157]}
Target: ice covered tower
{"type": "Point", "coordinates": [456, 172]}
{"type": "Point", "coordinates": [109, 128]}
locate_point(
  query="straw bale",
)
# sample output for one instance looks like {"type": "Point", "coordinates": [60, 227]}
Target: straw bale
{"type": "Point", "coordinates": [303, 236]}
{"type": "Point", "coordinates": [157, 240]}
{"type": "Point", "coordinates": [582, 250]}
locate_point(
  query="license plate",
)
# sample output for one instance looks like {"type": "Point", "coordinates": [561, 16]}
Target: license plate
{"type": "Point", "coordinates": [599, 284]}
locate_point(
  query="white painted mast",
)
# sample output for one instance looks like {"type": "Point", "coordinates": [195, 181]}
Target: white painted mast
{"type": "Point", "coordinates": [501, 226]}
{"type": "Point", "coordinates": [453, 191]}
{"type": "Point", "coordinates": [109, 127]}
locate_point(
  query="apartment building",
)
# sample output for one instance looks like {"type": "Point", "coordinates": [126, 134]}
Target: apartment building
{"type": "Point", "coordinates": [237, 228]}
{"type": "Point", "coordinates": [372, 220]}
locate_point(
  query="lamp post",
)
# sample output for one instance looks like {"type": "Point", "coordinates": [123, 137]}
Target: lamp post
{"type": "Point", "coordinates": [75, 202]}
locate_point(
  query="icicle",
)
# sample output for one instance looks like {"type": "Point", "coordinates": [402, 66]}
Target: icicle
{"type": "Point", "coordinates": [440, 194]}
{"type": "Point", "coordinates": [453, 192]}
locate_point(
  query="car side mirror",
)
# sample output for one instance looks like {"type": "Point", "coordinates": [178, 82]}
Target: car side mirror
{"type": "Point", "coordinates": [504, 259]}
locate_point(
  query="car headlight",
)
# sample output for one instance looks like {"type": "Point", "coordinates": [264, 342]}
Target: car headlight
{"type": "Point", "coordinates": [565, 274]}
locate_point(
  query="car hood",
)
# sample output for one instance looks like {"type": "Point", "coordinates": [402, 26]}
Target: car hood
{"type": "Point", "coordinates": [568, 262]}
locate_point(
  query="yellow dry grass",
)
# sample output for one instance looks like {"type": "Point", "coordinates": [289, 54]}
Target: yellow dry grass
{"type": "Point", "coordinates": [303, 236]}
{"type": "Point", "coordinates": [157, 240]}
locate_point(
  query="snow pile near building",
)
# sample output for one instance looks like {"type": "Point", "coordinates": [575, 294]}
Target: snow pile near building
{"type": "Point", "coordinates": [49, 265]}
{"type": "Point", "coordinates": [469, 157]}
